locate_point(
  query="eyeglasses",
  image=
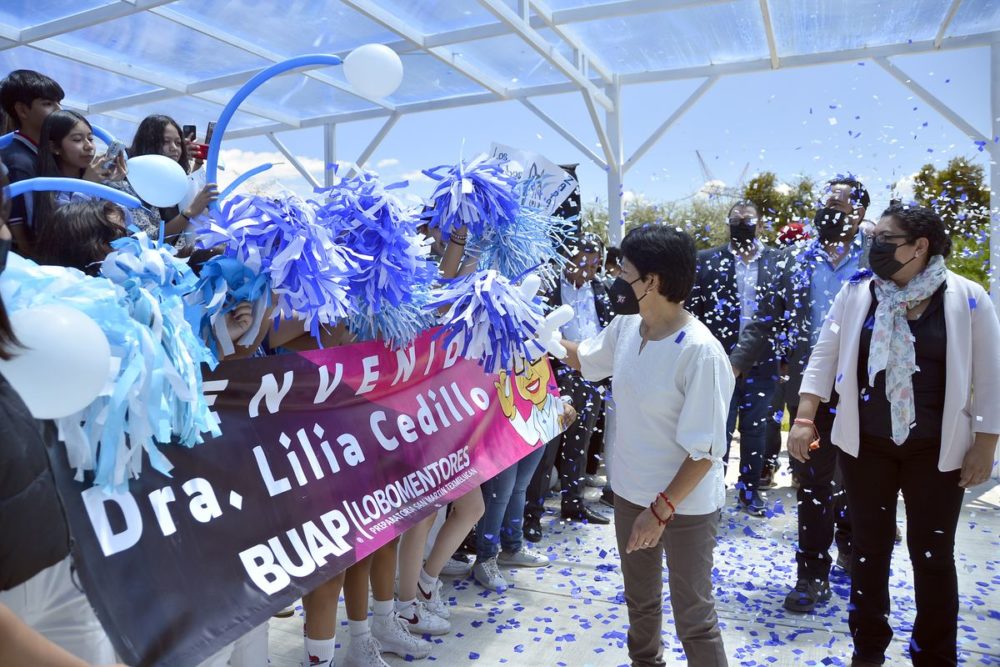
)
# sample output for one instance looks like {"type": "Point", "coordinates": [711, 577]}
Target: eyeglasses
{"type": "Point", "coordinates": [886, 237]}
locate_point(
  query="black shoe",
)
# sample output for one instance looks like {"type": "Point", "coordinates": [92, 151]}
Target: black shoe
{"type": "Point", "coordinates": [807, 594]}
{"type": "Point", "coordinates": [608, 499]}
{"type": "Point", "coordinates": [844, 562]}
{"type": "Point", "coordinates": [767, 478]}
{"type": "Point", "coordinates": [858, 662]}
{"type": "Point", "coordinates": [754, 505]}
{"type": "Point", "coordinates": [532, 529]}
{"type": "Point", "coordinates": [587, 515]}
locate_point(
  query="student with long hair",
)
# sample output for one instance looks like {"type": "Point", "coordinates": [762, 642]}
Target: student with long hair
{"type": "Point", "coordinates": [161, 135]}
{"type": "Point", "coordinates": [79, 235]}
{"type": "Point", "coordinates": [66, 149]}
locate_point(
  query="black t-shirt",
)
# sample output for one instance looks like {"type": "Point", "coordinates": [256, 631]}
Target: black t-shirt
{"type": "Point", "coordinates": [21, 160]}
{"type": "Point", "coordinates": [930, 348]}
{"type": "Point", "coordinates": [33, 530]}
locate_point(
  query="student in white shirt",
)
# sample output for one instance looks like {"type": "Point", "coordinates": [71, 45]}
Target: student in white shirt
{"type": "Point", "coordinates": [672, 384]}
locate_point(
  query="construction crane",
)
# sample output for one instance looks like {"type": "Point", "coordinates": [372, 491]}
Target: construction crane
{"type": "Point", "coordinates": [735, 191]}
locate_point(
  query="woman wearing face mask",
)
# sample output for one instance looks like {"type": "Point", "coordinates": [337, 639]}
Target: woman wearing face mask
{"type": "Point", "coordinates": [919, 346]}
{"type": "Point", "coordinates": [672, 385]}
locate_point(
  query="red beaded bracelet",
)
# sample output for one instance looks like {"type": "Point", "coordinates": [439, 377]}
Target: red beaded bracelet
{"type": "Point", "coordinates": [673, 510]}
{"type": "Point", "coordinates": [652, 508]}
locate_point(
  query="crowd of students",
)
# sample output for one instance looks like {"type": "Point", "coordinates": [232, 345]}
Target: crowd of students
{"type": "Point", "coordinates": [888, 364]}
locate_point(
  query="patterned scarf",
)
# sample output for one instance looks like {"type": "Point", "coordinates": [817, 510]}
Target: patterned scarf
{"type": "Point", "coordinates": [892, 343]}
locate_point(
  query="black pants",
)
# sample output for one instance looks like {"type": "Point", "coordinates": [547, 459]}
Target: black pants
{"type": "Point", "coordinates": [772, 432]}
{"type": "Point", "coordinates": [822, 505]}
{"type": "Point", "coordinates": [570, 448]}
{"type": "Point", "coordinates": [933, 503]}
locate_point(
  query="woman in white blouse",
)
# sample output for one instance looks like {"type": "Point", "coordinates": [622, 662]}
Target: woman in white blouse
{"type": "Point", "coordinates": [917, 350]}
{"type": "Point", "coordinates": [672, 384]}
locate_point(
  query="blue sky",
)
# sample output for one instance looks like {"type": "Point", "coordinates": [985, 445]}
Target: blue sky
{"type": "Point", "coordinates": [816, 121]}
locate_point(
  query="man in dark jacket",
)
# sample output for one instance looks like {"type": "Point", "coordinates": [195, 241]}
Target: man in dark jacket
{"type": "Point", "coordinates": [731, 280]}
{"type": "Point", "coordinates": [580, 286]}
{"type": "Point", "coordinates": [791, 316]}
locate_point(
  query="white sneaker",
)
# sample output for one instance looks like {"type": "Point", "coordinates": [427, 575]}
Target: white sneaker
{"type": "Point", "coordinates": [392, 635]}
{"type": "Point", "coordinates": [419, 621]}
{"type": "Point", "coordinates": [523, 557]}
{"type": "Point", "coordinates": [456, 568]}
{"type": "Point", "coordinates": [364, 652]}
{"type": "Point", "coordinates": [433, 602]}
{"type": "Point", "coordinates": [488, 575]}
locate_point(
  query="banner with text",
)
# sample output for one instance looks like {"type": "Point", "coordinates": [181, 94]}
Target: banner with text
{"type": "Point", "coordinates": [324, 457]}
{"type": "Point", "coordinates": [547, 184]}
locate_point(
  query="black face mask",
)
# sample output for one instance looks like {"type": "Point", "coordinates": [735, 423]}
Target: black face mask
{"type": "Point", "coordinates": [623, 298]}
{"type": "Point", "coordinates": [883, 262]}
{"type": "Point", "coordinates": [741, 233]}
{"type": "Point", "coordinates": [4, 249]}
{"type": "Point", "coordinates": [831, 224]}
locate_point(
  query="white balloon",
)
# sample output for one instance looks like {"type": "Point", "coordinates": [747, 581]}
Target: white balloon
{"type": "Point", "coordinates": [64, 362]}
{"type": "Point", "coordinates": [157, 180]}
{"type": "Point", "coordinates": [374, 70]}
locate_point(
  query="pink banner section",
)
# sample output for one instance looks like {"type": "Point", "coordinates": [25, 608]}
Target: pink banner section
{"type": "Point", "coordinates": [324, 457]}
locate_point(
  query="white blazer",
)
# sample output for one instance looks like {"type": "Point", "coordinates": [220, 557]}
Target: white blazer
{"type": "Point", "coordinates": [972, 385]}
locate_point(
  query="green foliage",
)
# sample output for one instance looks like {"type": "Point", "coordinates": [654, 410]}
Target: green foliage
{"type": "Point", "coordinates": [960, 195]}
{"type": "Point", "coordinates": [781, 204]}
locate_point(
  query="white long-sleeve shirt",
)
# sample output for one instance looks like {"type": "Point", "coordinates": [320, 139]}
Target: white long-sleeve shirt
{"type": "Point", "coordinates": [671, 402]}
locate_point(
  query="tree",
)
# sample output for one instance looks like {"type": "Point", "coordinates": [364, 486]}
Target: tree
{"type": "Point", "coordinates": [780, 204]}
{"type": "Point", "coordinates": [959, 194]}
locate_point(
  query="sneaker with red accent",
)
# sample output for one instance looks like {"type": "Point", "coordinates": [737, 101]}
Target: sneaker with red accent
{"type": "Point", "coordinates": [432, 601]}
{"type": "Point", "coordinates": [419, 621]}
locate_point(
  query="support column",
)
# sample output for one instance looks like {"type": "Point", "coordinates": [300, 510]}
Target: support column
{"type": "Point", "coordinates": [329, 153]}
{"type": "Point", "coordinates": [613, 120]}
{"type": "Point", "coordinates": [994, 151]}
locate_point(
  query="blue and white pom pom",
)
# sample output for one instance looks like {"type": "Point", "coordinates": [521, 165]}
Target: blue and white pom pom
{"type": "Point", "coordinates": [531, 243]}
{"type": "Point", "coordinates": [478, 195]}
{"type": "Point", "coordinates": [223, 284]}
{"type": "Point", "coordinates": [307, 270]}
{"type": "Point", "coordinates": [494, 321]}
{"type": "Point", "coordinates": [390, 290]}
{"type": "Point", "coordinates": [154, 390]}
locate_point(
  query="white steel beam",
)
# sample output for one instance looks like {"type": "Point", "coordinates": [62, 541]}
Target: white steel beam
{"type": "Point", "coordinates": [934, 102]}
{"type": "Point", "coordinates": [994, 76]}
{"type": "Point", "coordinates": [543, 12]}
{"type": "Point", "coordinates": [107, 64]}
{"type": "Point", "coordinates": [329, 153]}
{"type": "Point", "coordinates": [535, 40]}
{"type": "Point", "coordinates": [565, 134]}
{"type": "Point", "coordinates": [616, 175]}
{"type": "Point", "coordinates": [669, 122]}
{"type": "Point", "coordinates": [377, 139]}
{"type": "Point", "coordinates": [946, 22]}
{"type": "Point", "coordinates": [293, 160]}
{"type": "Point", "coordinates": [237, 42]}
{"type": "Point", "coordinates": [808, 60]}
{"type": "Point", "coordinates": [392, 22]}
{"type": "Point", "coordinates": [620, 8]}
{"type": "Point", "coordinates": [602, 132]}
{"type": "Point", "coordinates": [772, 46]}
{"type": "Point", "coordinates": [83, 19]}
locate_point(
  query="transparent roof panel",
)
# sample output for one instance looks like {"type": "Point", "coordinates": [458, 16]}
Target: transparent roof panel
{"type": "Point", "coordinates": [150, 42]}
{"type": "Point", "coordinates": [509, 60]}
{"type": "Point", "coordinates": [433, 16]}
{"type": "Point", "coordinates": [194, 111]}
{"type": "Point", "coordinates": [975, 16]}
{"type": "Point", "coordinates": [717, 33]}
{"type": "Point", "coordinates": [302, 97]}
{"type": "Point", "coordinates": [809, 26]}
{"type": "Point", "coordinates": [80, 82]}
{"type": "Point", "coordinates": [120, 129]}
{"type": "Point", "coordinates": [302, 26]}
{"type": "Point", "coordinates": [427, 78]}
{"type": "Point", "coordinates": [23, 14]}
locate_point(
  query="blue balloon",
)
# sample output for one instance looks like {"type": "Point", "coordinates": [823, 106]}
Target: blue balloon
{"type": "Point", "coordinates": [253, 84]}
{"type": "Point", "coordinates": [52, 184]}
{"type": "Point", "coordinates": [243, 178]}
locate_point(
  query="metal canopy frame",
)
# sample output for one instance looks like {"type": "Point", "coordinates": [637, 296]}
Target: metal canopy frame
{"type": "Point", "coordinates": [550, 33]}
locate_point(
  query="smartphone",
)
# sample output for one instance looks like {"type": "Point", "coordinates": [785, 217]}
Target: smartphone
{"type": "Point", "coordinates": [114, 150]}
{"type": "Point", "coordinates": [190, 132]}
{"type": "Point", "coordinates": [209, 132]}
